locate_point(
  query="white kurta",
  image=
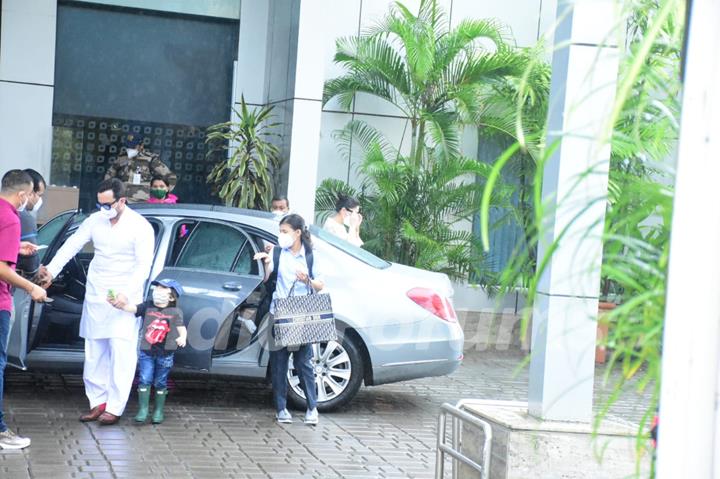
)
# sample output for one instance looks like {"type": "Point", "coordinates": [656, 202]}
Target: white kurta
{"type": "Point", "coordinates": [122, 262]}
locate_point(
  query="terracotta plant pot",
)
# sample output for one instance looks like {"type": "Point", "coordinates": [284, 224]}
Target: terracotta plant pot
{"type": "Point", "coordinates": [602, 331]}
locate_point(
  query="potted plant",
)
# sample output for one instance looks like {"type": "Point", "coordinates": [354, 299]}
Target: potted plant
{"type": "Point", "coordinates": [608, 301]}
{"type": "Point", "coordinates": [244, 180]}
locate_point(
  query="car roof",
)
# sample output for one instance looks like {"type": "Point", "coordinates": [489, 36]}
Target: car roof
{"type": "Point", "coordinates": [261, 219]}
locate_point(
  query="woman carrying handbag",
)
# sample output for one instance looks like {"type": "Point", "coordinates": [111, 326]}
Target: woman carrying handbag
{"type": "Point", "coordinates": [296, 271]}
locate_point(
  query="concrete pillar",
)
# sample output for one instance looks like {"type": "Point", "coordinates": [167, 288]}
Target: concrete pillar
{"type": "Point", "coordinates": [287, 72]}
{"type": "Point", "coordinates": [306, 108]}
{"type": "Point", "coordinates": [585, 68]}
{"type": "Point", "coordinates": [250, 79]}
{"type": "Point", "coordinates": [689, 442]}
{"type": "Point", "coordinates": [27, 77]}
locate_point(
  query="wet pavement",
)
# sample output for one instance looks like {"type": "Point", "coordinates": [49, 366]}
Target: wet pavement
{"type": "Point", "coordinates": [225, 427]}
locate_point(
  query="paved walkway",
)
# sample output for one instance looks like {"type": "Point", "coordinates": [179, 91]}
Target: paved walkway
{"type": "Point", "coordinates": [225, 428]}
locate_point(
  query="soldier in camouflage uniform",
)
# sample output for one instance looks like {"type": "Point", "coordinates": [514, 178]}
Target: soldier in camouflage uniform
{"type": "Point", "coordinates": [136, 167]}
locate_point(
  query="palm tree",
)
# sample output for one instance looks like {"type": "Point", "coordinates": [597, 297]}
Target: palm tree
{"type": "Point", "coordinates": [519, 107]}
{"type": "Point", "coordinates": [441, 79]}
{"type": "Point", "coordinates": [412, 215]}
{"type": "Point", "coordinates": [438, 78]}
{"type": "Point", "coordinates": [245, 178]}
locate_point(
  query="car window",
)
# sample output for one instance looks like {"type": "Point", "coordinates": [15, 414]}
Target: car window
{"type": "Point", "coordinates": [245, 263]}
{"type": "Point", "coordinates": [48, 231]}
{"type": "Point", "coordinates": [211, 246]}
{"type": "Point", "coordinates": [354, 251]}
{"type": "Point", "coordinates": [181, 233]}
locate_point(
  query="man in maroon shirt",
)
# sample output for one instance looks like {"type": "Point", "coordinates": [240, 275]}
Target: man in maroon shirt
{"type": "Point", "coordinates": [17, 186]}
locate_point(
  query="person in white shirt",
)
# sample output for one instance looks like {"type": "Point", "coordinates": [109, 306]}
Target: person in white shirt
{"type": "Point", "coordinates": [124, 242]}
{"type": "Point", "coordinates": [297, 272]}
{"type": "Point", "coordinates": [346, 221]}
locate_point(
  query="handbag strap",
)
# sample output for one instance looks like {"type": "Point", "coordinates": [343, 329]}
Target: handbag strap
{"type": "Point", "coordinates": [310, 289]}
{"type": "Point", "coordinates": [272, 279]}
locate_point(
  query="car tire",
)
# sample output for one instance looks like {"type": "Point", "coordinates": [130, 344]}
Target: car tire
{"type": "Point", "coordinates": [350, 387]}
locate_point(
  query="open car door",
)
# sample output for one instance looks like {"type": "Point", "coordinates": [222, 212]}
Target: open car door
{"type": "Point", "coordinates": [48, 237]}
{"type": "Point", "coordinates": [213, 261]}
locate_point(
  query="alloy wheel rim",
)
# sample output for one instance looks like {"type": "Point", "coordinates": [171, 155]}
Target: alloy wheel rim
{"type": "Point", "coordinates": [332, 368]}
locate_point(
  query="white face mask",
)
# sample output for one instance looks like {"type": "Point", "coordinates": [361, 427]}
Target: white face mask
{"type": "Point", "coordinates": [23, 205]}
{"type": "Point", "coordinates": [38, 205]}
{"type": "Point", "coordinates": [285, 240]}
{"type": "Point", "coordinates": [132, 152]}
{"type": "Point", "coordinates": [109, 214]}
{"type": "Point", "coordinates": [160, 298]}
{"type": "Point", "coordinates": [346, 220]}
{"type": "Point", "coordinates": [278, 212]}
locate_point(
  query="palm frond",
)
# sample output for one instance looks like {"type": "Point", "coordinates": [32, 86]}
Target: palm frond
{"type": "Point", "coordinates": [359, 133]}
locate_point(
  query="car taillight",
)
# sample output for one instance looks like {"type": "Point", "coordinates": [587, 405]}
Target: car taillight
{"type": "Point", "coordinates": [433, 302]}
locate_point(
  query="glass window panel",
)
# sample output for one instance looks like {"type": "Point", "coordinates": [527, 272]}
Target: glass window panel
{"type": "Point", "coordinates": [211, 246]}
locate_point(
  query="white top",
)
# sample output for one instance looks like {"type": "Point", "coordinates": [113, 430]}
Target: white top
{"type": "Point", "coordinates": [290, 264]}
{"type": "Point", "coordinates": [122, 262]}
{"type": "Point", "coordinates": [340, 230]}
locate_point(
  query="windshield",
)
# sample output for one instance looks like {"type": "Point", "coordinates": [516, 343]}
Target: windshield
{"type": "Point", "coordinates": [358, 253]}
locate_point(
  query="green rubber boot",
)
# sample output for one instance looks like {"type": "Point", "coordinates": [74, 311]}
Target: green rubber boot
{"type": "Point", "coordinates": [159, 413]}
{"type": "Point", "coordinates": [144, 402]}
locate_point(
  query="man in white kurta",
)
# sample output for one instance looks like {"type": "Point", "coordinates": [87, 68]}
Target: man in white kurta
{"type": "Point", "coordinates": [124, 242]}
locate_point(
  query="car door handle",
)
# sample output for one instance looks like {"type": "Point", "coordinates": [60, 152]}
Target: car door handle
{"type": "Point", "coordinates": [232, 286]}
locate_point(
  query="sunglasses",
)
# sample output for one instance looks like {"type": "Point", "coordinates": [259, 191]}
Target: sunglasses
{"type": "Point", "coordinates": [105, 206]}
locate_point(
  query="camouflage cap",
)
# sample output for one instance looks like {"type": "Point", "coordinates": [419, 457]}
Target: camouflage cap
{"type": "Point", "coordinates": [133, 139]}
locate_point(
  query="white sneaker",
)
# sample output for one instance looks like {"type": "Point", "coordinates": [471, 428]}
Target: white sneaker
{"type": "Point", "coordinates": [312, 417]}
{"type": "Point", "coordinates": [284, 417]}
{"type": "Point", "coordinates": [10, 440]}
{"type": "Point", "coordinates": [249, 325]}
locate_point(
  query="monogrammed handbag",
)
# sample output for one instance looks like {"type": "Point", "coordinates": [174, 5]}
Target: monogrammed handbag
{"type": "Point", "coordinates": [304, 319]}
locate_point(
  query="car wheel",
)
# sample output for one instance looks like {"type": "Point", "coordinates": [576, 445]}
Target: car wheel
{"type": "Point", "coordinates": [338, 375]}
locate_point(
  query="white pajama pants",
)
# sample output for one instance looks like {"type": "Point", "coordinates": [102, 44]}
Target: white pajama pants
{"type": "Point", "coordinates": [109, 371]}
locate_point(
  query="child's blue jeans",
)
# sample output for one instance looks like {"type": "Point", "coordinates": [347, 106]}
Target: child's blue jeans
{"type": "Point", "coordinates": [155, 369]}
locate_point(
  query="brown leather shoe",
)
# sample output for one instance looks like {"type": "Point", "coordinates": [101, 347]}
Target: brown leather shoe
{"type": "Point", "coordinates": [93, 414]}
{"type": "Point", "coordinates": [107, 419]}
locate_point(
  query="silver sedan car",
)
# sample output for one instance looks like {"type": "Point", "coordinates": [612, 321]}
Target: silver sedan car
{"type": "Point", "coordinates": [394, 322]}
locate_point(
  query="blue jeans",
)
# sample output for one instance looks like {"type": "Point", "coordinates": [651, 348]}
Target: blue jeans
{"type": "Point", "coordinates": [4, 336]}
{"type": "Point", "coordinates": [302, 359]}
{"type": "Point", "coordinates": [154, 369]}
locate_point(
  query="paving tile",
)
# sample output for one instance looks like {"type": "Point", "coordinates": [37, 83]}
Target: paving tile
{"type": "Point", "coordinates": [224, 428]}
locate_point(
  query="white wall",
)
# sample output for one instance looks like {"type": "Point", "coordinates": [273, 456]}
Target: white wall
{"type": "Point", "coordinates": [27, 69]}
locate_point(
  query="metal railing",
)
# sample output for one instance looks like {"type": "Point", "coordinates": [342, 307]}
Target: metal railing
{"type": "Point", "coordinates": [458, 418]}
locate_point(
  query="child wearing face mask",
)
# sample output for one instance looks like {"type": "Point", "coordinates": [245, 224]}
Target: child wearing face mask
{"type": "Point", "coordinates": [160, 191]}
{"type": "Point", "coordinates": [163, 331]}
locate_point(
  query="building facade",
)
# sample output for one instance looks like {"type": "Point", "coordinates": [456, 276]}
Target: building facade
{"type": "Point", "coordinates": [76, 76]}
